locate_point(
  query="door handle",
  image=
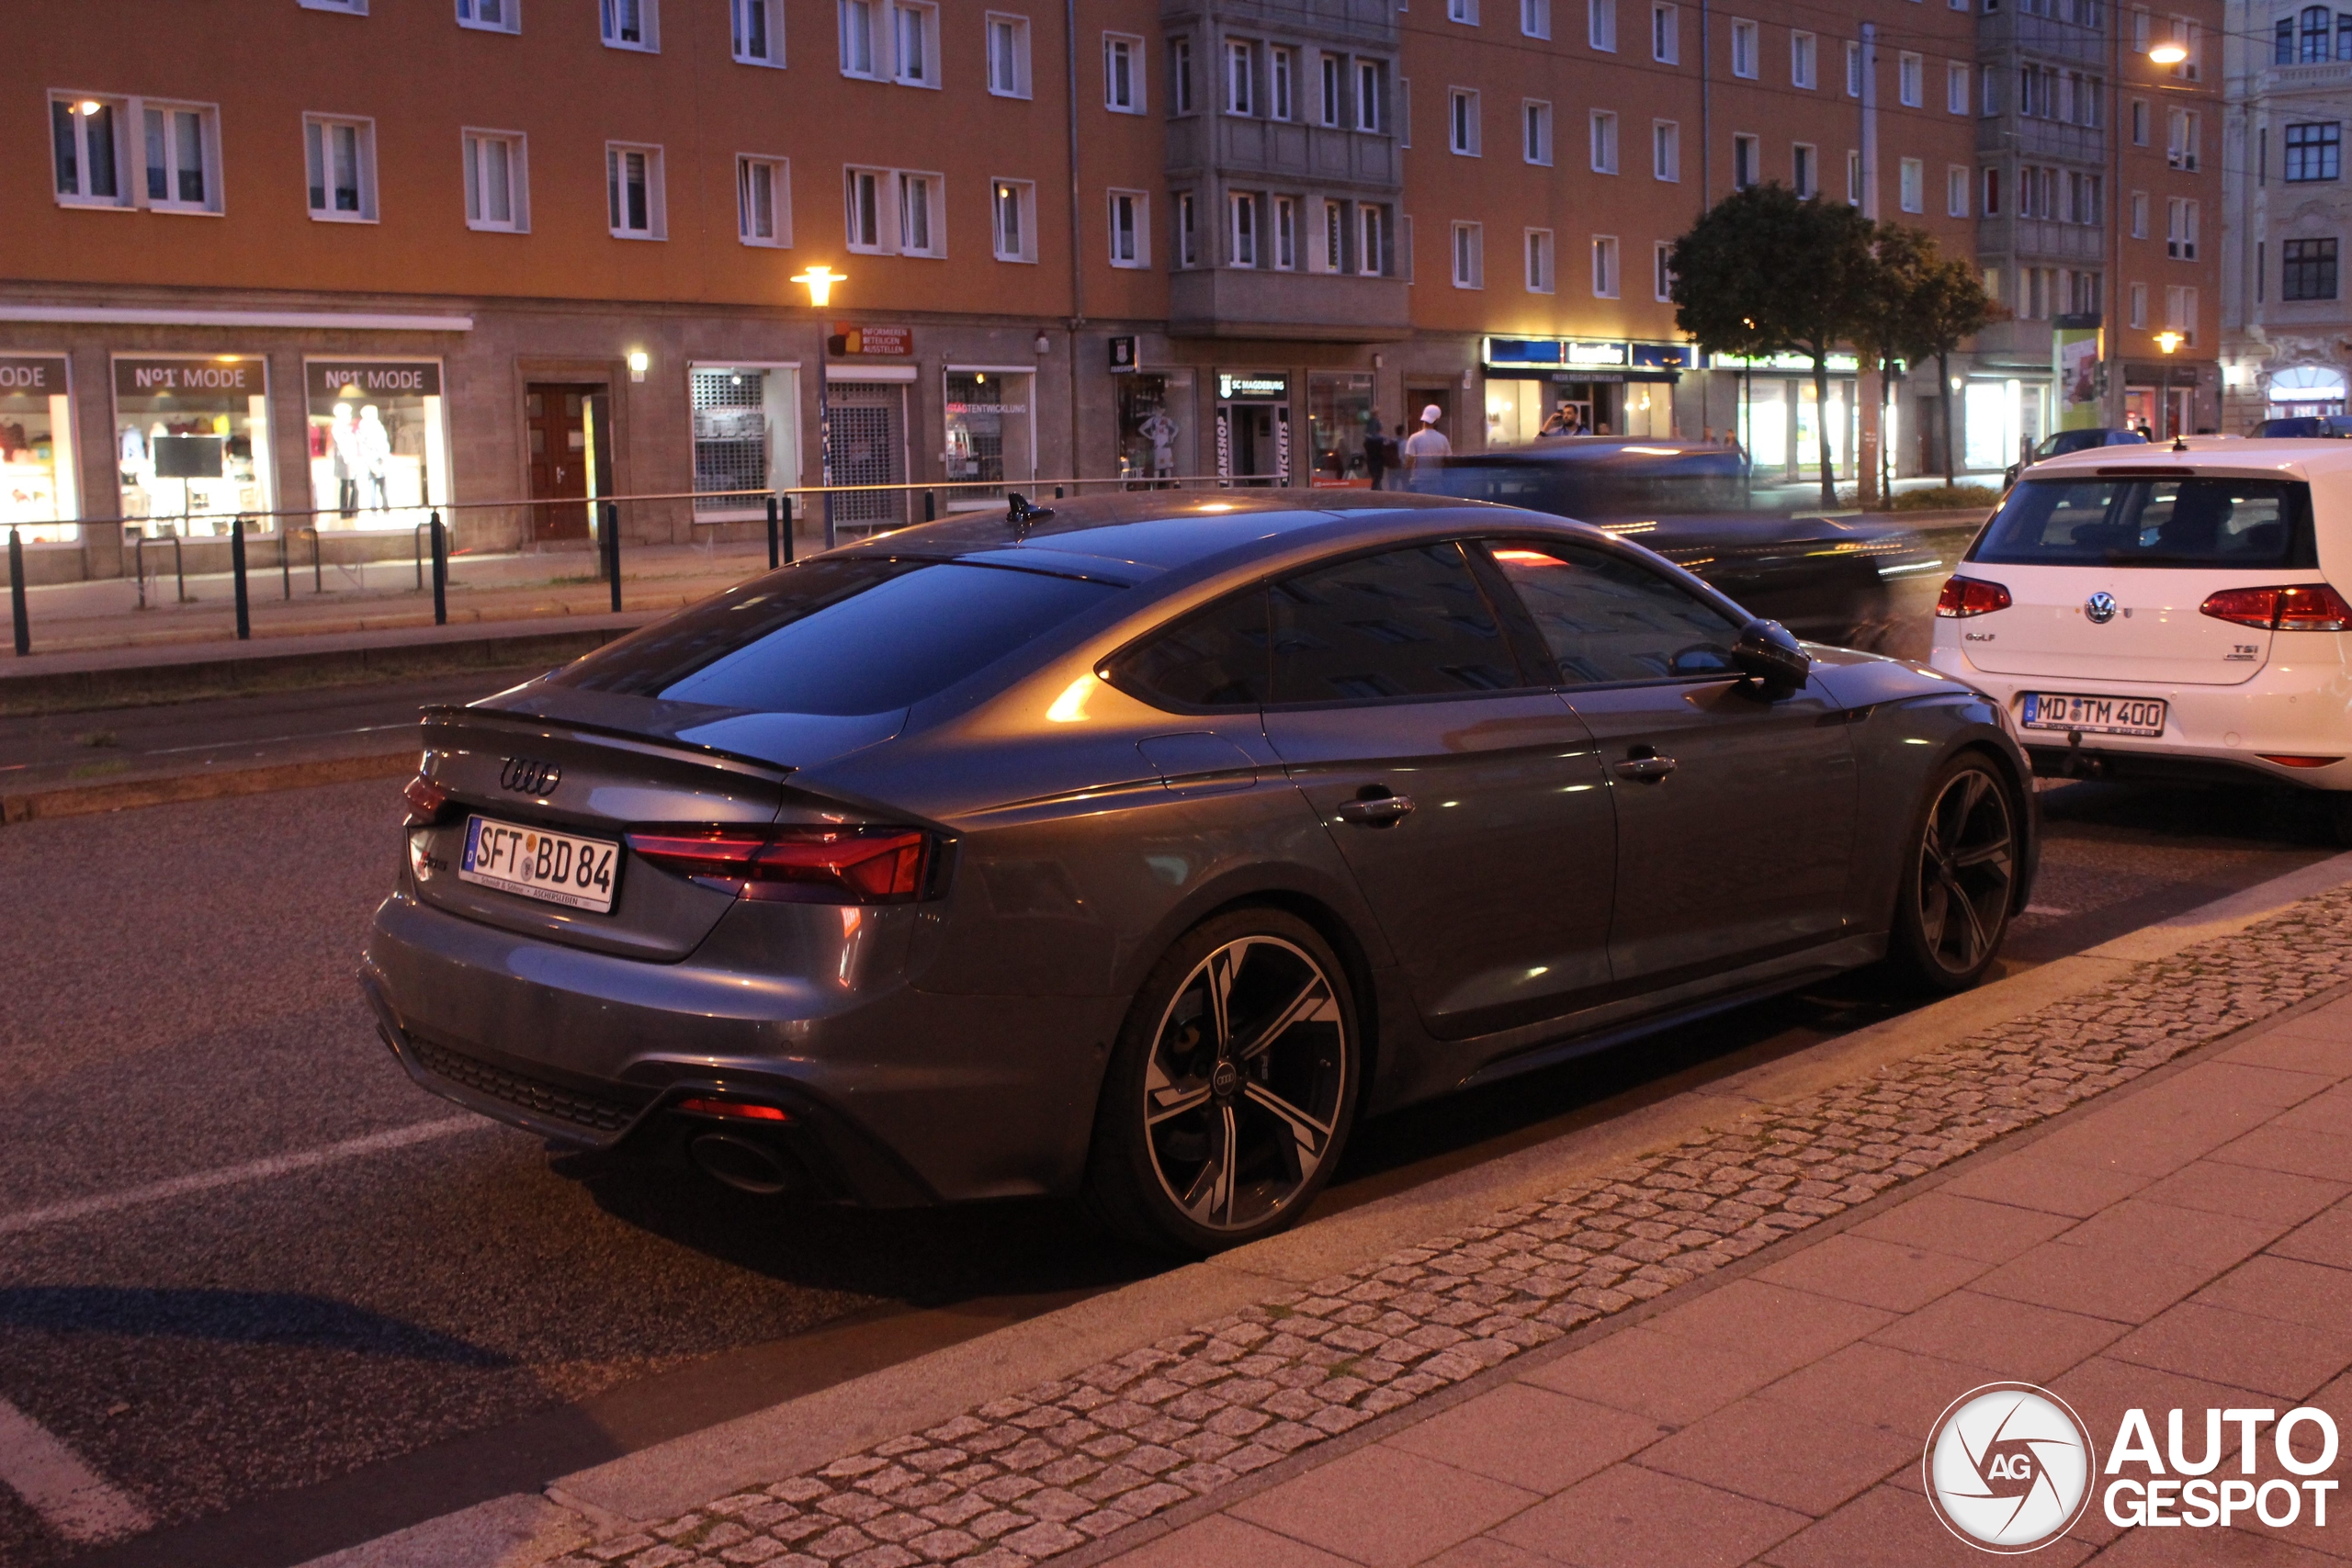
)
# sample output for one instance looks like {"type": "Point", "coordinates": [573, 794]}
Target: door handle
{"type": "Point", "coordinates": [1642, 762]}
{"type": "Point", "coordinates": [1375, 811]}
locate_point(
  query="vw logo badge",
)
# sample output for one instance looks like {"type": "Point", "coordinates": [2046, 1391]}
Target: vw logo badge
{"type": "Point", "coordinates": [2100, 607]}
{"type": "Point", "coordinates": [524, 776]}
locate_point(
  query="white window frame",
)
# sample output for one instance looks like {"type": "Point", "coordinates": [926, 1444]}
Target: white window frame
{"type": "Point", "coordinates": [778, 172]}
{"type": "Point", "coordinates": [1020, 196]}
{"type": "Point", "coordinates": [611, 18]}
{"type": "Point", "coordinates": [1535, 132]}
{"type": "Point", "coordinates": [1603, 125]}
{"type": "Point", "coordinates": [1469, 254]}
{"type": "Point", "coordinates": [1956, 95]}
{"type": "Point", "coordinates": [1135, 229]}
{"type": "Point", "coordinates": [1463, 136]}
{"type": "Point", "coordinates": [1007, 35]}
{"type": "Point", "coordinates": [1911, 80]}
{"type": "Point", "coordinates": [738, 28]}
{"type": "Point", "coordinates": [1665, 33]}
{"type": "Point", "coordinates": [1282, 83]}
{"type": "Point", "coordinates": [915, 22]}
{"type": "Point", "coordinates": [2139, 215]}
{"type": "Point", "coordinates": [363, 129]}
{"type": "Point", "coordinates": [1372, 247]}
{"type": "Point", "coordinates": [342, 7]}
{"type": "Point", "coordinates": [1285, 225]}
{"type": "Point", "coordinates": [1853, 177]}
{"type": "Point", "coordinates": [2182, 219]}
{"type": "Point", "coordinates": [1607, 278]}
{"type": "Point", "coordinates": [616, 157]}
{"type": "Point", "coordinates": [1240, 78]}
{"type": "Point", "coordinates": [209, 161]}
{"type": "Point", "coordinates": [883, 239]}
{"type": "Point", "coordinates": [129, 142]}
{"type": "Point", "coordinates": [1600, 25]}
{"type": "Point", "coordinates": [509, 19]}
{"type": "Point", "coordinates": [1463, 12]}
{"type": "Point", "coordinates": [1853, 70]}
{"type": "Point", "coordinates": [1911, 184]}
{"type": "Point", "coordinates": [1332, 73]}
{"type": "Point", "coordinates": [1181, 98]}
{"type": "Point", "coordinates": [1536, 19]}
{"type": "Point", "coordinates": [1368, 95]}
{"type": "Point", "coordinates": [1804, 61]}
{"type": "Point", "coordinates": [1805, 169]}
{"type": "Point", "coordinates": [472, 142]}
{"type": "Point", "coordinates": [1331, 254]}
{"type": "Point", "coordinates": [1665, 151]}
{"type": "Point", "coordinates": [1745, 49]}
{"type": "Point", "coordinates": [2139, 297]}
{"type": "Point", "coordinates": [1662, 270]}
{"type": "Point", "coordinates": [1957, 181]}
{"type": "Point", "coordinates": [864, 39]}
{"type": "Point", "coordinates": [1123, 49]}
{"type": "Point", "coordinates": [1188, 230]}
{"type": "Point", "coordinates": [1537, 245]}
{"type": "Point", "coordinates": [935, 212]}
{"type": "Point", "coordinates": [1753, 145]}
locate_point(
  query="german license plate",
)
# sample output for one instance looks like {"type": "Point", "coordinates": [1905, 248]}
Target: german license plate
{"type": "Point", "coordinates": [2093, 715]}
{"type": "Point", "coordinates": [555, 867]}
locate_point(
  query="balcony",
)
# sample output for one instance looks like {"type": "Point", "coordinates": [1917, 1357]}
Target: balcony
{"type": "Point", "coordinates": [1284, 151]}
{"type": "Point", "coordinates": [1246, 302]}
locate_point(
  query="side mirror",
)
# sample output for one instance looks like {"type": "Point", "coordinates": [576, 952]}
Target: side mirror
{"type": "Point", "coordinates": [1768, 655]}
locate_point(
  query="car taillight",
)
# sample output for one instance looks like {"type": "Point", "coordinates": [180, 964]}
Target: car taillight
{"type": "Point", "coordinates": [737, 1110]}
{"type": "Point", "coordinates": [799, 865]}
{"type": "Point", "coordinates": [423, 796]}
{"type": "Point", "coordinates": [2300, 607]}
{"type": "Point", "coordinates": [1970, 596]}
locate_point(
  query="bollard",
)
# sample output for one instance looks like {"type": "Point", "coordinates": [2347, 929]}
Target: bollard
{"type": "Point", "coordinates": [237, 576]}
{"type": "Point", "coordinates": [773, 545]}
{"type": "Point", "coordinates": [286, 559]}
{"type": "Point", "coordinates": [831, 535]}
{"type": "Point", "coordinates": [16, 593]}
{"type": "Point", "coordinates": [929, 506]}
{"type": "Point", "coordinates": [787, 509]}
{"type": "Point", "coordinates": [1057, 492]}
{"type": "Point", "coordinates": [179, 567]}
{"type": "Point", "coordinates": [440, 571]}
{"type": "Point", "coordinates": [611, 543]}
{"type": "Point", "coordinates": [139, 555]}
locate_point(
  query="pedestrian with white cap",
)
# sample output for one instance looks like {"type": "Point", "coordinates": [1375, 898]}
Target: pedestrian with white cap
{"type": "Point", "coordinates": [1426, 449]}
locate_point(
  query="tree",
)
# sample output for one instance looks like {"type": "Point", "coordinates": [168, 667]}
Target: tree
{"type": "Point", "coordinates": [1948, 304]}
{"type": "Point", "coordinates": [1762, 272]}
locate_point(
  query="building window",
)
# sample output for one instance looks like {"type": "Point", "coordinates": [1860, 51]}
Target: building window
{"type": "Point", "coordinates": [1286, 234]}
{"type": "Point", "coordinates": [191, 443]}
{"type": "Point", "coordinates": [746, 429]}
{"type": "Point", "coordinates": [2315, 152]}
{"type": "Point", "coordinates": [1334, 237]}
{"type": "Point", "coordinates": [1853, 71]}
{"type": "Point", "coordinates": [757, 29]}
{"type": "Point", "coordinates": [1535, 18]}
{"type": "Point", "coordinates": [1604, 143]}
{"type": "Point", "coordinates": [2180, 312]}
{"type": "Point", "coordinates": [2139, 295]}
{"type": "Point", "coordinates": [923, 219]}
{"type": "Point", "coordinates": [2307, 269]}
{"type": "Point", "coordinates": [1804, 53]}
{"type": "Point", "coordinates": [182, 158]}
{"type": "Point", "coordinates": [1662, 270]}
{"type": "Point", "coordinates": [914, 44]}
{"type": "Point", "coordinates": [1180, 76]}
{"type": "Point", "coordinates": [2180, 139]}
{"type": "Point", "coordinates": [1122, 73]}
{"type": "Point", "coordinates": [491, 16]}
{"type": "Point", "coordinates": [2180, 228]}
{"type": "Point", "coordinates": [1404, 116]}
{"type": "Point", "coordinates": [1281, 84]}
{"type": "Point", "coordinates": [763, 201]}
{"type": "Point", "coordinates": [1992, 193]}
{"type": "Point", "coordinates": [633, 191]}
{"type": "Point", "coordinates": [1535, 140]}
{"type": "Point", "coordinates": [496, 186]}
{"type": "Point", "coordinates": [1130, 229]}
{"type": "Point", "coordinates": [1910, 80]}
{"type": "Point", "coordinates": [1853, 178]}
{"type": "Point", "coordinates": [861, 49]}
{"type": "Point", "coordinates": [1539, 261]}
{"type": "Point", "coordinates": [1956, 191]}
{"type": "Point", "coordinates": [1188, 229]}
{"type": "Point", "coordinates": [1666, 149]}
{"type": "Point", "coordinates": [1372, 243]}
{"type": "Point", "coordinates": [1008, 55]}
{"type": "Point", "coordinates": [1240, 78]}
{"type": "Point", "coordinates": [1913, 179]}
{"type": "Point", "coordinates": [1469, 257]}
{"type": "Point", "coordinates": [1368, 95]}
{"type": "Point", "coordinates": [349, 7]}
{"type": "Point", "coordinates": [1462, 121]}
{"type": "Point", "coordinates": [1241, 233]}
{"type": "Point", "coordinates": [340, 155]}
{"type": "Point", "coordinates": [2139, 215]}
{"type": "Point", "coordinates": [1013, 220]}
{"type": "Point", "coordinates": [1956, 88]}
{"type": "Point", "coordinates": [1334, 71]}
{"type": "Point", "coordinates": [1666, 34]}
{"type": "Point", "coordinates": [1743, 162]}
{"type": "Point", "coordinates": [1805, 171]}
{"type": "Point", "coordinates": [1462, 11]}
{"type": "Point", "coordinates": [1744, 49]}
{"type": "Point", "coordinates": [2139, 122]}
{"type": "Point", "coordinates": [631, 23]}
{"type": "Point", "coordinates": [1604, 266]}
{"type": "Point", "coordinates": [91, 156]}
{"type": "Point", "coordinates": [1600, 25]}
{"type": "Point", "coordinates": [866, 219]}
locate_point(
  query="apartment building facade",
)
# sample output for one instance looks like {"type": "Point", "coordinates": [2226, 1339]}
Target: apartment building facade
{"type": "Point", "coordinates": [2287, 332]}
{"type": "Point", "coordinates": [334, 263]}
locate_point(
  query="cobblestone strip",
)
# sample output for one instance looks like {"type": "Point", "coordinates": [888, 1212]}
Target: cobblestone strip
{"type": "Point", "coordinates": [1025, 1478]}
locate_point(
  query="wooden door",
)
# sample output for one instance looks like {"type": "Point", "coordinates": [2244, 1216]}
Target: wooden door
{"type": "Point", "coordinates": [558, 429]}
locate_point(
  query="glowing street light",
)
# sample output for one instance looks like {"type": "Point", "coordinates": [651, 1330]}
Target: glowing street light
{"type": "Point", "coordinates": [820, 281]}
{"type": "Point", "coordinates": [2168, 341]}
{"type": "Point", "coordinates": [2169, 53]}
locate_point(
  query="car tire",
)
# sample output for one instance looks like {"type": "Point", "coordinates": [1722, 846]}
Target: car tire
{"type": "Point", "coordinates": [1231, 1089]}
{"type": "Point", "coordinates": [1960, 868]}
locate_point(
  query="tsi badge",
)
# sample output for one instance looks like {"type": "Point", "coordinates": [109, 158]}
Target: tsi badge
{"type": "Point", "coordinates": [2009, 1467]}
{"type": "Point", "coordinates": [2100, 607]}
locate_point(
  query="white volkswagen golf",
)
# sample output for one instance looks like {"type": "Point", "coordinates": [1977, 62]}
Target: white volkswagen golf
{"type": "Point", "coordinates": [2167, 613]}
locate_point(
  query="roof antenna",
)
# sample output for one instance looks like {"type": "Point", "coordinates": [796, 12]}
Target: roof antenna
{"type": "Point", "coordinates": [2180, 443]}
{"type": "Point", "coordinates": [1021, 515]}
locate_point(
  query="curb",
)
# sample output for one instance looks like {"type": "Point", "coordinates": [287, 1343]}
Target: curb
{"type": "Point", "coordinates": [81, 800]}
{"type": "Point", "coordinates": [522, 1529]}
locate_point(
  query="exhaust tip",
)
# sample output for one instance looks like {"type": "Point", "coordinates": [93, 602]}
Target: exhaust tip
{"type": "Point", "coordinates": [741, 1164]}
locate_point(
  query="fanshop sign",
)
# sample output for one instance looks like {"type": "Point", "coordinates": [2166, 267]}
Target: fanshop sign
{"type": "Point", "coordinates": [357, 379]}
{"type": "Point", "coordinates": [28, 377]}
{"type": "Point", "coordinates": [217, 376]}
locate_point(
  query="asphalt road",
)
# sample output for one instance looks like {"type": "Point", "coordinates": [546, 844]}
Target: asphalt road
{"type": "Point", "coordinates": [279, 1365]}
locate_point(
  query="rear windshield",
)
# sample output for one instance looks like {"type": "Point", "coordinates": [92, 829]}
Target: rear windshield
{"type": "Point", "coordinates": [838, 636]}
{"type": "Point", "coordinates": [2200, 521]}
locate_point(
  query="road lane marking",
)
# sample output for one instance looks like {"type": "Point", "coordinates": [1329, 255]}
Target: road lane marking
{"type": "Point", "coordinates": [238, 1175]}
{"type": "Point", "coordinates": [72, 1499]}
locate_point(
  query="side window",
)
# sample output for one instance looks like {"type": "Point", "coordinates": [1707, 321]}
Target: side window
{"type": "Point", "coordinates": [1607, 619]}
{"type": "Point", "coordinates": [1411, 623]}
{"type": "Point", "coordinates": [1213, 658]}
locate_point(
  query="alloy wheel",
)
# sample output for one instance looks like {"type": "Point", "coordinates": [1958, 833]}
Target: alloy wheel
{"type": "Point", "coordinates": [1967, 870]}
{"type": "Point", "coordinates": [1245, 1083]}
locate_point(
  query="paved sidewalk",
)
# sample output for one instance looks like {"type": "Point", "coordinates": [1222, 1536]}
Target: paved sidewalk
{"type": "Point", "coordinates": [1669, 1396]}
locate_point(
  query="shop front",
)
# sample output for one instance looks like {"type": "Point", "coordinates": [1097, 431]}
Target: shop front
{"type": "Point", "coordinates": [1253, 428]}
{"type": "Point", "coordinates": [1156, 437]}
{"type": "Point", "coordinates": [378, 443]}
{"type": "Point", "coordinates": [38, 497]}
{"type": "Point", "coordinates": [191, 440]}
{"type": "Point", "coordinates": [2001, 417]}
{"type": "Point", "coordinates": [1580, 387]}
{"type": "Point", "coordinates": [1341, 418]}
{"type": "Point", "coordinates": [991, 432]}
{"type": "Point", "coordinates": [2305, 392]}
{"type": "Point", "coordinates": [1780, 418]}
{"type": "Point", "coordinates": [746, 436]}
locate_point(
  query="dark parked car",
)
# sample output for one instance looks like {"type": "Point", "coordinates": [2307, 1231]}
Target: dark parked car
{"type": "Point", "coordinates": [1143, 846]}
{"type": "Point", "coordinates": [2073, 441]}
{"type": "Point", "coordinates": [2304, 427]}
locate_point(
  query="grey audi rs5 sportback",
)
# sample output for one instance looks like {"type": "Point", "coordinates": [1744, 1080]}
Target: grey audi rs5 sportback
{"type": "Point", "coordinates": [1140, 846]}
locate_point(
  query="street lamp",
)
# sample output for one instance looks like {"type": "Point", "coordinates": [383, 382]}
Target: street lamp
{"type": "Point", "coordinates": [2168, 341]}
{"type": "Point", "coordinates": [820, 281]}
{"type": "Point", "coordinates": [2171, 53]}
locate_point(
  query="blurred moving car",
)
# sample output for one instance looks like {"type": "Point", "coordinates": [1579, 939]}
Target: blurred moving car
{"type": "Point", "coordinates": [1141, 846]}
{"type": "Point", "coordinates": [1825, 578]}
{"type": "Point", "coordinates": [2170, 616]}
{"type": "Point", "coordinates": [2065, 441]}
{"type": "Point", "coordinates": [2304, 427]}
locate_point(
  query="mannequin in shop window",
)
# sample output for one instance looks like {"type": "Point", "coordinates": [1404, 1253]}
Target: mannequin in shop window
{"type": "Point", "coordinates": [375, 444]}
{"type": "Point", "coordinates": [343, 443]}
